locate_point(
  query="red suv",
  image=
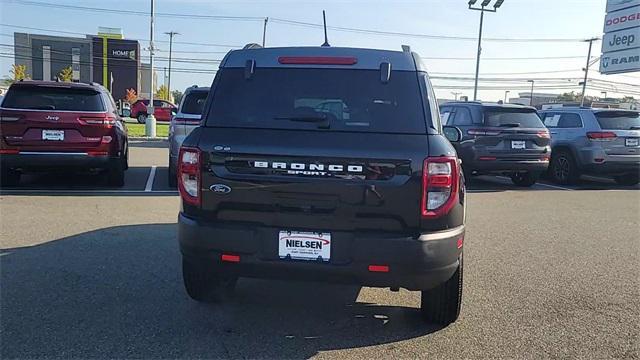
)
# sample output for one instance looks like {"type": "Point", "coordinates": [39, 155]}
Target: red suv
{"type": "Point", "coordinates": [162, 110]}
{"type": "Point", "coordinates": [47, 125]}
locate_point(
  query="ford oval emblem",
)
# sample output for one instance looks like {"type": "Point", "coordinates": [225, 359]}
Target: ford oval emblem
{"type": "Point", "coordinates": [220, 189]}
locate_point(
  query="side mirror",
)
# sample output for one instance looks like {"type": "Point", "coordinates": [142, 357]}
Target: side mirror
{"type": "Point", "coordinates": [174, 111]}
{"type": "Point", "coordinates": [452, 133]}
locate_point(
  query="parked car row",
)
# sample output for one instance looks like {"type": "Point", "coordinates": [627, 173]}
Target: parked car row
{"type": "Point", "coordinates": [563, 144]}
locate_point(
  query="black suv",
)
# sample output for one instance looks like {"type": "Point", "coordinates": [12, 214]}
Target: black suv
{"type": "Point", "coordinates": [500, 139]}
{"type": "Point", "coordinates": [324, 164]}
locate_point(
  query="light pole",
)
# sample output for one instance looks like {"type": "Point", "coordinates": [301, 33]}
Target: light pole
{"type": "Point", "coordinates": [482, 9]}
{"type": "Point", "coordinates": [264, 31]}
{"type": "Point", "coordinates": [150, 122]}
{"type": "Point", "coordinates": [171, 35]}
{"type": "Point", "coordinates": [586, 69]}
{"type": "Point", "coordinates": [532, 83]}
{"type": "Point", "coordinates": [505, 95]}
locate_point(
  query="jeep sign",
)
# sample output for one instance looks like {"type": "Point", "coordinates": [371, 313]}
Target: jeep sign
{"type": "Point", "coordinates": [621, 40]}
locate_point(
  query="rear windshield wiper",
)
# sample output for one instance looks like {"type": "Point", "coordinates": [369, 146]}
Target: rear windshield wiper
{"type": "Point", "coordinates": [323, 121]}
{"type": "Point", "coordinates": [510, 125]}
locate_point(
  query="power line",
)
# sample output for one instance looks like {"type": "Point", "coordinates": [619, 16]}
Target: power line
{"type": "Point", "coordinates": [292, 23]}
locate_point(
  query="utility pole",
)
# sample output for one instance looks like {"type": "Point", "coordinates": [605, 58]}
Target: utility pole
{"type": "Point", "coordinates": [150, 123]}
{"type": "Point", "coordinates": [586, 69]}
{"type": "Point", "coordinates": [505, 95]}
{"type": "Point", "coordinates": [482, 9]}
{"type": "Point", "coordinates": [456, 95]}
{"type": "Point", "coordinates": [532, 83]}
{"type": "Point", "coordinates": [171, 35]}
{"type": "Point", "coordinates": [264, 31]}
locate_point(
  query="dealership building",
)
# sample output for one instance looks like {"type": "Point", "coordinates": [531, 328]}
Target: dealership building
{"type": "Point", "coordinates": [107, 58]}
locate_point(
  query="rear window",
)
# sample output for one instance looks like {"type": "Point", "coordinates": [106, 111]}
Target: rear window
{"type": "Point", "coordinates": [318, 99]}
{"type": "Point", "coordinates": [525, 118]}
{"type": "Point", "coordinates": [194, 102]}
{"type": "Point", "coordinates": [618, 120]}
{"type": "Point", "coordinates": [53, 98]}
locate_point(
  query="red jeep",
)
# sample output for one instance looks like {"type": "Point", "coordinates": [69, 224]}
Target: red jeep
{"type": "Point", "coordinates": [162, 110]}
{"type": "Point", "coordinates": [46, 125]}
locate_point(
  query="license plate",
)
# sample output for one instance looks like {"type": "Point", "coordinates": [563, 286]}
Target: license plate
{"type": "Point", "coordinates": [55, 135]}
{"type": "Point", "coordinates": [304, 245]}
{"type": "Point", "coordinates": [632, 142]}
{"type": "Point", "coordinates": [518, 144]}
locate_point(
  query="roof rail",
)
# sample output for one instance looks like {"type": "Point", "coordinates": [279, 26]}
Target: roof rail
{"type": "Point", "coordinates": [252, 46]}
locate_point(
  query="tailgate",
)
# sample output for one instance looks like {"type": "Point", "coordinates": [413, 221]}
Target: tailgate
{"type": "Point", "coordinates": [313, 180]}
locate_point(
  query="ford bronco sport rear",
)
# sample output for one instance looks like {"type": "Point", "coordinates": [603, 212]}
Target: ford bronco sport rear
{"type": "Point", "coordinates": [323, 164]}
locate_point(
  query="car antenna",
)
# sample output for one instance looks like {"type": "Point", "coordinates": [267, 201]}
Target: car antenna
{"type": "Point", "coordinates": [324, 21]}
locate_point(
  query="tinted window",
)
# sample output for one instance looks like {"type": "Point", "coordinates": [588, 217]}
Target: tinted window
{"type": "Point", "coordinates": [194, 102]}
{"type": "Point", "coordinates": [570, 121]}
{"type": "Point", "coordinates": [445, 115]}
{"type": "Point", "coordinates": [463, 117]}
{"type": "Point", "coordinates": [525, 118]}
{"type": "Point", "coordinates": [53, 98]}
{"type": "Point", "coordinates": [617, 120]}
{"type": "Point", "coordinates": [310, 99]}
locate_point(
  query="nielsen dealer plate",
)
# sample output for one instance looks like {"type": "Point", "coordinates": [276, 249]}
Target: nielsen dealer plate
{"type": "Point", "coordinates": [55, 135]}
{"type": "Point", "coordinates": [304, 245]}
{"type": "Point", "coordinates": [519, 144]}
{"type": "Point", "coordinates": [632, 142]}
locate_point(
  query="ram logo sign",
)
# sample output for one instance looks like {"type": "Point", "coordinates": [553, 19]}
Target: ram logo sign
{"type": "Point", "coordinates": [620, 61]}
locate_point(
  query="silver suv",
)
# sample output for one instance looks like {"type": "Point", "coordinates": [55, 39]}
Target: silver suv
{"type": "Point", "coordinates": [187, 119]}
{"type": "Point", "coordinates": [594, 141]}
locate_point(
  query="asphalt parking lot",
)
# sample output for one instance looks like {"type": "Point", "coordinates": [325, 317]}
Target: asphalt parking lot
{"type": "Point", "coordinates": [89, 271]}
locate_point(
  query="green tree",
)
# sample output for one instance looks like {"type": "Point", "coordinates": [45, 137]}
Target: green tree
{"type": "Point", "coordinates": [177, 96]}
{"type": "Point", "coordinates": [19, 72]}
{"type": "Point", "coordinates": [570, 96]}
{"type": "Point", "coordinates": [162, 93]}
{"type": "Point", "coordinates": [66, 74]}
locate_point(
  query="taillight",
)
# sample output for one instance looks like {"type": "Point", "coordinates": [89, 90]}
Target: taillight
{"type": "Point", "coordinates": [9, 151]}
{"type": "Point", "coordinates": [182, 121]}
{"type": "Point", "coordinates": [440, 185]}
{"type": "Point", "coordinates": [189, 175]}
{"type": "Point", "coordinates": [105, 121]}
{"type": "Point", "coordinates": [544, 134]}
{"type": "Point", "coordinates": [601, 135]}
{"type": "Point", "coordinates": [481, 132]}
{"type": "Point", "coordinates": [5, 118]}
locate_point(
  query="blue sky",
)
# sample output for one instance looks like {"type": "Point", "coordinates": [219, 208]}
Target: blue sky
{"type": "Point", "coordinates": [566, 19]}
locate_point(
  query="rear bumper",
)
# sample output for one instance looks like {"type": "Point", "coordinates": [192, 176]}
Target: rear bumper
{"type": "Point", "coordinates": [414, 264]}
{"type": "Point", "coordinates": [597, 162]}
{"type": "Point", "coordinates": [501, 166]}
{"type": "Point", "coordinates": [54, 160]}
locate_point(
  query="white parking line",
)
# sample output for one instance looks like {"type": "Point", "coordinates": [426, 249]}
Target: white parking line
{"type": "Point", "coordinates": [541, 184]}
{"type": "Point", "coordinates": [152, 175]}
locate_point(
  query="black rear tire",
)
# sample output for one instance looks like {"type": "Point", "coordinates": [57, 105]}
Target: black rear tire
{"type": "Point", "coordinates": [627, 179]}
{"type": "Point", "coordinates": [142, 118]}
{"type": "Point", "coordinates": [9, 177]}
{"type": "Point", "coordinates": [115, 174]}
{"type": "Point", "coordinates": [524, 179]}
{"type": "Point", "coordinates": [441, 305]}
{"type": "Point", "coordinates": [563, 169]}
{"type": "Point", "coordinates": [204, 285]}
{"type": "Point", "coordinates": [173, 176]}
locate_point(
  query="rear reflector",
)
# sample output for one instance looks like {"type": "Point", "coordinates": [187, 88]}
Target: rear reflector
{"type": "Point", "coordinates": [379, 268]}
{"type": "Point", "coordinates": [317, 60]}
{"type": "Point", "coordinates": [97, 153]}
{"type": "Point", "coordinates": [601, 135]}
{"type": "Point", "coordinates": [9, 151]}
{"type": "Point", "coordinates": [460, 242]}
{"type": "Point", "coordinates": [230, 258]}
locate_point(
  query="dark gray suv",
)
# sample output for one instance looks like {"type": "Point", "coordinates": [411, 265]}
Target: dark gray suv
{"type": "Point", "coordinates": [594, 141]}
{"type": "Point", "coordinates": [499, 139]}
